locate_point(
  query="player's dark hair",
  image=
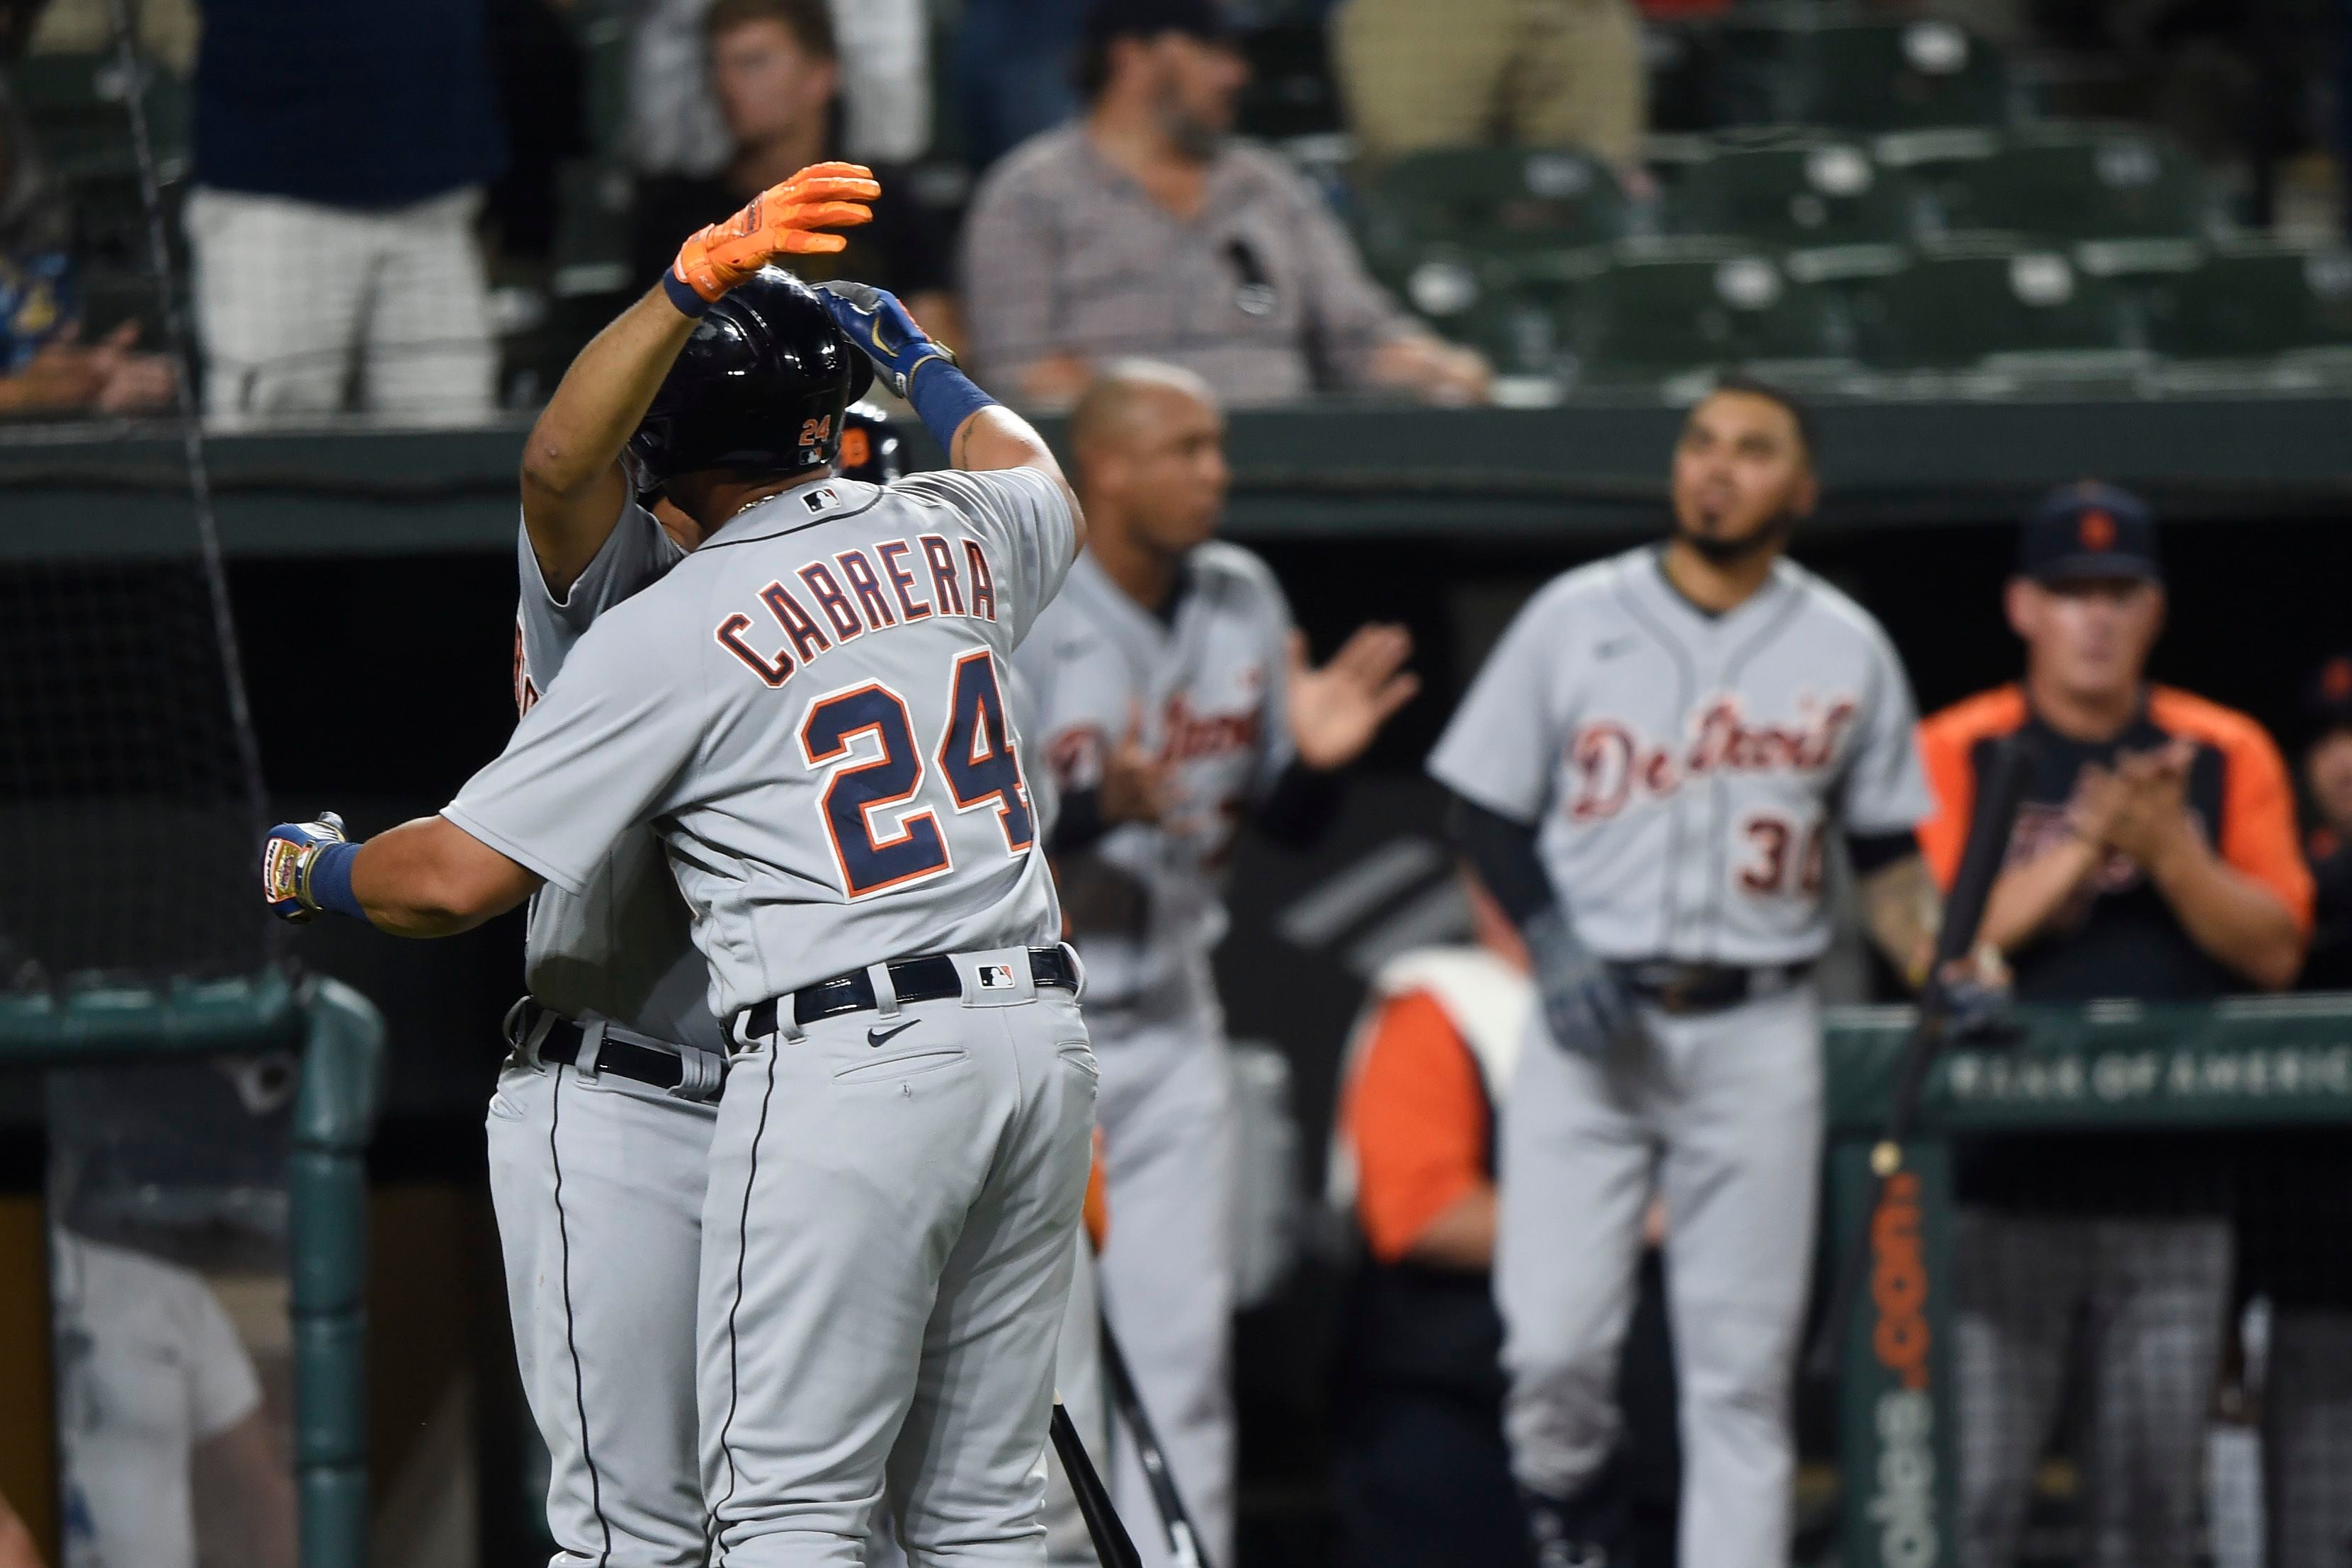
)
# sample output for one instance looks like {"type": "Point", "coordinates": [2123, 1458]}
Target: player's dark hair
{"type": "Point", "coordinates": [810, 22]}
{"type": "Point", "coordinates": [1809, 429]}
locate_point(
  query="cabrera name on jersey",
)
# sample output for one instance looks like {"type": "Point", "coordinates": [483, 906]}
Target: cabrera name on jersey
{"type": "Point", "coordinates": [1684, 769]}
{"type": "Point", "coordinates": [811, 711]}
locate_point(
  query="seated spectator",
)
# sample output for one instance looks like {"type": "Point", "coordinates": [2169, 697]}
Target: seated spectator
{"type": "Point", "coordinates": [774, 74]}
{"type": "Point", "coordinates": [2155, 859]}
{"type": "Point", "coordinates": [340, 151]}
{"type": "Point", "coordinates": [1421, 1471]}
{"type": "Point", "coordinates": [885, 85]}
{"type": "Point", "coordinates": [44, 366]}
{"type": "Point", "coordinates": [1550, 73]}
{"type": "Point", "coordinates": [1144, 228]}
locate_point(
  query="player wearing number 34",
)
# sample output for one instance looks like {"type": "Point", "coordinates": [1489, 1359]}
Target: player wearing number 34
{"type": "Point", "coordinates": [1646, 774]}
{"type": "Point", "coordinates": [810, 711]}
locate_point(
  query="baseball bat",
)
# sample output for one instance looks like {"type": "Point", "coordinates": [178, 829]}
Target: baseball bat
{"type": "Point", "coordinates": [1183, 1540]}
{"type": "Point", "coordinates": [1114, 1548]}
{"type": "Point", "coordinates": [1980, 863]}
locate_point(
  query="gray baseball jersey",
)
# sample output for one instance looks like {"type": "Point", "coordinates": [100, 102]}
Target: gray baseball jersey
{"type": "Point", "coordinates": [622, 948]}
{"type": "Point", "coordinates": [810, 711]}
{"type": "Point", "coordinates": [1684, 767]}
{"type": "Point", "coordinates": [1204, 687]}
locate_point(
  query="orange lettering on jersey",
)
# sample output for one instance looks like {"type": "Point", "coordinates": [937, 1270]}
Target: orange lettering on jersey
{"type": "Point", "coordinates": [1611, 760]}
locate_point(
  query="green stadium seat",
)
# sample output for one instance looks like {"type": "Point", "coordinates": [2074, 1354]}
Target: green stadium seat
{"type": "Point", "coordinates": [1491, 200]}
{"type": "Point", "coordinates": [1665, 308]}
{"type": "Point", "coordinates": [1797, 193]}
{"type": "Point", "coordinates": [1859, 74]}
{"type": "Point", "coordinates": [1978, 304]}
{"type": "Point", "coordinates": [76, 106]}
{"type": "Point", "coordinates": [2253, 301]}
{"type": "Point", "coordinates": [2078, 182]}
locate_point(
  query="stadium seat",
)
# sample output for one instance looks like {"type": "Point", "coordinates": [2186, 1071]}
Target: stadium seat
{"type": "Point", "coordinates": [1491, 200]}
{"type": "Point", "coordinates": [1798, 193]}
{"type": "Point", "coordinates": [1983, 303]}
{"type": "Point", "coordinates": [1859, 75]}
{"type": "Point", "coordinates": [2249, 301]}
{"type": "Point", "coordinates": [76, 106]}
{"type": "Point", "coordinates": [1662, 308]}
{"type": "Point", "coordinates": [2092, 181]}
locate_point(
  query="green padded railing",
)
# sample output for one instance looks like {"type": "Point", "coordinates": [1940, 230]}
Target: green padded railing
{"type": "Point", "coordinates": [339, 1036]}
{"type": "Point", "coordinates": [2242, 1063]}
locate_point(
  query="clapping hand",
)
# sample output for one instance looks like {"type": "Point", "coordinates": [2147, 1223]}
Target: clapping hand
{"type": "Point", "coordinates": [1335, 711]}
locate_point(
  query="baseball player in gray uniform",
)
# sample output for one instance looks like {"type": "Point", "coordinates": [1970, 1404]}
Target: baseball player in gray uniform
{"type": "Point", "coordinates": [1646, 771]}
{"type": "Point", "coordinates": [810, 712]}
{"type": "Point", "coordinates": [1175, 700]}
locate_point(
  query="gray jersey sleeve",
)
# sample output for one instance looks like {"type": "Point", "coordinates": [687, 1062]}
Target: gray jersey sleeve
{"type": "Point", "coordinates": [1886, 788]}
{"type": "Point", "coordinates": [635, 553]}
{"type": "Point", "coordinates": [598, 753]}
{"type": "Point", "coordinates": [1276, 748]}
{"type": "Point", "coordinates": [1503, 744]}
{"type": "Point", "coordinates": [1026, 517]}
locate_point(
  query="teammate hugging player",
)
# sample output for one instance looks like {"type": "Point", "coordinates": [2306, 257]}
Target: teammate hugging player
{"type": "Point", "coordinates": [1647, 771]}
{"type": "Point", "coordinates": [809, 714]}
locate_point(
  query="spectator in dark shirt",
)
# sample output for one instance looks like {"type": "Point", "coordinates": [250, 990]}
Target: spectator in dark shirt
{"type": "Point", "coordinates": [2155, 859]}
{"type": "Point", "coordinates": [775, 74]}
{"type": "Point", "coordinates": [340, 151]}
{"type": "Point", "coordinates": [45, 368]}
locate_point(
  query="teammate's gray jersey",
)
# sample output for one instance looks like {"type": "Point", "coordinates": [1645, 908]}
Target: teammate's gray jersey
{"type": "Point", "coordinates": [810, 711]}
{"type": "Point", "coordinates": [1685, 768]}
{"type": "Point", "coordinates": [1204, 690]}
{"type": "Point", "coordinates": [623, 949]}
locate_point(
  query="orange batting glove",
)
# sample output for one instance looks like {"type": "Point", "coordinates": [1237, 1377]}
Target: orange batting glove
{"type": "Point", "coordinates": [783, 220]}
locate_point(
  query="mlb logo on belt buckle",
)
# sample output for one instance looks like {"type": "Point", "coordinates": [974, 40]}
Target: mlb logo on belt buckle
{"type": "Point", "coordinates": [996, 977]}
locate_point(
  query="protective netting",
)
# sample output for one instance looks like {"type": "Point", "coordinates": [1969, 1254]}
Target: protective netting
{"type": "Point", "coordinates": [130, 784]}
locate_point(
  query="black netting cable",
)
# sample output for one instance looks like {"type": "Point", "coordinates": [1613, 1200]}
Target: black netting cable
{"type": "Point", "coordinates": [179, 345]}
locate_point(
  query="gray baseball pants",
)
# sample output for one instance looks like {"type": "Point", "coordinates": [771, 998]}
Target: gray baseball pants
{"type": "Point", "coordinates": [1721, 1115]}
{"type": "Point", "coordinates": [887, 1253]}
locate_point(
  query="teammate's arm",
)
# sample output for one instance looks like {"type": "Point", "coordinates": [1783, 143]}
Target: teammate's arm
{"type": "Point", "coordinates": [978, 433]}
{"type": "Point", "coordinates": [1585, 1009]}
{"type": "Point", "coordinates": [425, 878]}
{"type": "Point", "coordinates": [1898, 900]}
{"type": "Point", "coordinates": [572, 484]}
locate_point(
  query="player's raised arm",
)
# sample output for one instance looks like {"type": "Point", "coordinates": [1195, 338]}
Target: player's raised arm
{"type": "Point", "coordinates": [572, 484]}
{"type": "Point", "coordinates": [978, 433]}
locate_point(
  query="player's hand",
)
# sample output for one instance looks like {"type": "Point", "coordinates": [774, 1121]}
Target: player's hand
{"type": "Point", "coordinates": [1136, 784]}
{"type": "Point", "coordinates": [1974, 993]}
{"type": "Point", "coordinates": [1587, 1012]}
{"type": "Point", "coordinates": [787, 219]}
{"type": "Point", "coordinates": [2151, 821]}
{"type": "Point", "coordinates": [1335, 711]}
{"type": "Point", "coordinates": [874, 320]}
{"type": "Point", "coordinates": [286, 855]}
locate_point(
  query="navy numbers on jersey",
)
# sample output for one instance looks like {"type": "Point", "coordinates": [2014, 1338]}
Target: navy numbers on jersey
{"type": "Point", "coordinates": [882, 836]}
{"type": "Point", "coordinates": [976, 755]}
{"type": "Point", "coordinates": [851, 597]}
{"type": "Point", "coordinates": [873, 857]}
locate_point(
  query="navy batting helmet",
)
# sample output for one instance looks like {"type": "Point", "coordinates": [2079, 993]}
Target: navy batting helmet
{"type": "Point", "coordinates": [870, 447]}
{"type": "Point", "coordinates": [759, 388]}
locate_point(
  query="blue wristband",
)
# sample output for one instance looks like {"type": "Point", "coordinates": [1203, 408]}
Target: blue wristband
{"type": "Point", "coordinates": [687, 302]}
{"type": "Point", "coordinates": [331, 880]}
{"type": "Point", "coordinates": [944, 397]}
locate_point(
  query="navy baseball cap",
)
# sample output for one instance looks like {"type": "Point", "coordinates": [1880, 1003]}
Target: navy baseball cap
{"type": "Point", "coordinates": [2328, 700]}
{"type": "Point", "coordinates": [2089, 531]}
{"type": "Point", "coordinates": [1108, 19]}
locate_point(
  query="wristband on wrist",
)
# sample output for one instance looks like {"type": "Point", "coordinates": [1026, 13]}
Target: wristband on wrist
{"type": "Point", "coordinates": [943, 397]}
{"type": "Point", "coordinates": [327, 880]}
{"type": "Point", "coordinates": [682, 295]}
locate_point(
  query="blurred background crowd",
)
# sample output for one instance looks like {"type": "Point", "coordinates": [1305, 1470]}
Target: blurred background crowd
{"type": "Point", "coordinates": [419, 212]}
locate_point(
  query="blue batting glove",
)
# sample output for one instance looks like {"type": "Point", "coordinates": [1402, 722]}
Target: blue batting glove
{"type": "Point", "coordinates": [288, 855]}
{"type": "Point", "coordinates": [1585, 1010]}
{"type": "Point", "coordinates": [879, 324]}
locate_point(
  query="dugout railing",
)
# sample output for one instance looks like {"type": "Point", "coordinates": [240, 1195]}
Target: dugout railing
{"type": "Point", "coordinates": [338, 1037]}
{"type": "Point", "coordinates": [2196, 1070]}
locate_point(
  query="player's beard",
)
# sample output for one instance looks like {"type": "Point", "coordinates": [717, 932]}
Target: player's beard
{"type": "Point", "coordinates": [1770, 534]}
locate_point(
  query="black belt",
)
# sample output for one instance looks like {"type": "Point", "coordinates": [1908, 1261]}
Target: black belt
{"type": "Point", "coordinates": [563, 1041]}
{"type": "Point", "coordinates": [932, 979]}
{"type": "Point", "coordinates": [1677, 988]}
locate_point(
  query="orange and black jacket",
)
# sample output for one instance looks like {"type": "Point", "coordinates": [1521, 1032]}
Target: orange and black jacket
{"type": "Point", "coordinates": [2118, 938]}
